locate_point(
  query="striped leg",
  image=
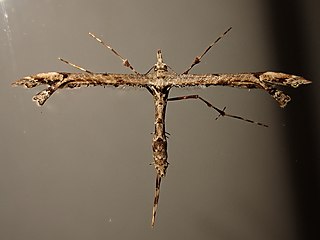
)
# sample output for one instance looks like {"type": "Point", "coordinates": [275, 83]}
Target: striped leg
{"type": "Point", "coordinates": [221, 112]}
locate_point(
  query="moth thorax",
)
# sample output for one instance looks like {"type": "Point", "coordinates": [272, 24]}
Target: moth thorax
{"type": "Point", "coordinates": [160, 65]}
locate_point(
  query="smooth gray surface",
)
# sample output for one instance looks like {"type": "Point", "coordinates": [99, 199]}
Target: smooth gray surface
{"type": "Point", "coordinates": [77, 168]}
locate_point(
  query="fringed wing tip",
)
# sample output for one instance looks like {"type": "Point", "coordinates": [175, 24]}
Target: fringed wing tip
{"type": "Point", "coordinates": [39, 79]}
{"type": "Point", "coordinates": [296, 81]}
{"type": "Point", "coordinates": [42, 97]}
{"type": "Point", "coordinates": [27, 82]}
{"type": "Point", "coordinates": [275, 78]}
{"type": "Point", "coordinates": [284, 79]}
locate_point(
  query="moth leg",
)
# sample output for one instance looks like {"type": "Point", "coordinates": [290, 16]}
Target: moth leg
{"type": "Point", "coordinates": [197, 59]}
{"type": "Point", "coordinates": [124, 61]}
{"type": "Point", "coordinates": [220, 111]}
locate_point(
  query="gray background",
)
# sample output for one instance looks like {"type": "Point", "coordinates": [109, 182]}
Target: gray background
{"type": "Point", "coordinates": [78, 167]}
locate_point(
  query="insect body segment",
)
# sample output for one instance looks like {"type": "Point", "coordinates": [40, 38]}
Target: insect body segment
{"type": "Point", "coordinates": [159, 144]}
{"type": "Point", "coordinates": [159, 141]}
{"type": "Point", "coordinates": [160, 94]}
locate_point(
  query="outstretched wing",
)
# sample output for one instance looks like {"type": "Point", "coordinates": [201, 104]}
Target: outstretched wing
{"type": "Point", "coordinates": [263, 80]}
{"type": "Point", "coordinates": [58, 80]}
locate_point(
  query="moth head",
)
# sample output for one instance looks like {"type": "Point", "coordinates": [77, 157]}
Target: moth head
{"type": "Point", "coordinates": [160, 65]}
{"type": "Point", "coordinates": [161, 169]}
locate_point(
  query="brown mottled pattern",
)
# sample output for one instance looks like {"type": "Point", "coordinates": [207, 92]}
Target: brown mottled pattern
{"type": "Point", "coordinates": [158, 83]}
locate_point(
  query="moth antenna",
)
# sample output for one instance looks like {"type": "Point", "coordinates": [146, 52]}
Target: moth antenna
{"type": "Point", "coordinates": [125, 62]}
{"type": "Point", "coordinates": [75, 66]}
{"type": "Point", "coordinates": [197, 59]}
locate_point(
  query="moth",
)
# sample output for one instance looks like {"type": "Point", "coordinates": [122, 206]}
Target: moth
{"type": "Point", "coordinates": [158, 81]}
